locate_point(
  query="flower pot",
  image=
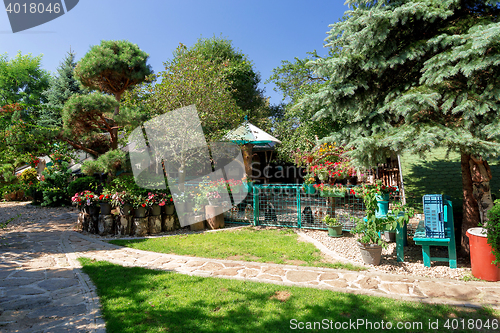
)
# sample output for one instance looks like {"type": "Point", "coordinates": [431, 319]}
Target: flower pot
{"type": "Point", "coordinates": [309, 189]}
{"type": "Point", "coordinates": [93, 210]}
{"type": "Point", "coordinates": [155, 210]}
{"type": "Point", "coordinates": [140, 212]}
{"type": "Point", "coordinates": [335, 231]}
{"type": "Point", "coordinates": [481, 256]}
{"type": "Point", "coordinates": [383, 208]}
{"type": "Point", "coordinates": [126, 210]}
{"type": "Point", "coordinates": [169, 209]}
{"type": "Point", "coordinates": [105, 208]}
{"type": "Point", "coordinates": [371, 253]}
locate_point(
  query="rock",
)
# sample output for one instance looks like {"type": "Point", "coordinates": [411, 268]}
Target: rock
{"type": "Point", "coordinates": [154, 225]}
{"type": "Point", "coordinates": [105, 225]}
{"type": "Point", "coordinates": [140, 226]}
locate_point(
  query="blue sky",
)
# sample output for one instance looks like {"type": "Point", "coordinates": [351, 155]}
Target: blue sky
{"type": "Point", "coordinates": [266, 31]}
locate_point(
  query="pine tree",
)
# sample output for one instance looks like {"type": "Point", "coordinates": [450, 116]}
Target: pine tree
{"type": "Point", "coordinates": [412, 75]}
{"type": "Point", "coordinates": [113, 67]}
{"type": "Point", "coordinates": [61, 88]}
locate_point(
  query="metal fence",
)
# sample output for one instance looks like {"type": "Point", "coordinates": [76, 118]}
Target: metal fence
{"type": "Point", "coordinates": [287, 205]}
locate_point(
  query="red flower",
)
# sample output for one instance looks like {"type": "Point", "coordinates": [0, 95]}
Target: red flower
{"type": "Point", "coordinates": [171, 199]}
{"type": "Point", "coordinates": [101, 196]}
{"type": "Point", "coordinates": [143, 205]}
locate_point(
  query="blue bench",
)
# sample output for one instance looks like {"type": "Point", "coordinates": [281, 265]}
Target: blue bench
{"type": "Point", "coordinates": [421, 237]}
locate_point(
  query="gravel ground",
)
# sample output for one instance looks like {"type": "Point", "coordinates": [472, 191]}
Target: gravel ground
{"type": "Point", "coordinates": [347, 248]}
{"type": "Point", "coordinates": [20, 214]}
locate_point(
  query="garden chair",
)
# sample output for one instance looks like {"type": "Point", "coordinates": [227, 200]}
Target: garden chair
{"type": "Point", "coordinates": [438, 229]}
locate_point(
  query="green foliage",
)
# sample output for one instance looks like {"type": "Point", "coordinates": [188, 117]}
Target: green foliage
{"type": "Point", "coordinates": [126, 183]}
{"type": "Point", "coordinates": [28, 176]}
{"type": "Point", "coordinates": [411, 76]}
{"type": "Point", "coordinates": [238, 71]}
{"type": "Point", "coordinates": [84, 115]}
{"type": "Point", "coordinates": [369, 227]}
{"type": "Point", "coordinates": [22, 80]}
{"type": "Point", "coordinates": [113, 161]}
{"type": "Point", "coordinates": [91, 167]}
{"type": "Point", "coordinates": [293, 125]}
{"type": "Point", "coordinates": [191, 79]}
{"type": "Point", "coordinates": [54, 185]}
{"type": "Point", "coordinates": [113, 67]}
{"type": "Point", "coordinates": [61, 88]}
{"type": "Point", "coordinates": [81, 184]}
{"type": "Point", "coordinates": [331, 221]}
{"type": "Point", "coordinates": [493, 230]}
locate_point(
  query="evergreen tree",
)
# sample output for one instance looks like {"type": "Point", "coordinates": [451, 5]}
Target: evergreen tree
{"type": "Point", "coordinates": [61, 88]}
{"type": "Point", "coordinates": [113, 67]}
{"type": "Point", "coordinates": [411, 75]}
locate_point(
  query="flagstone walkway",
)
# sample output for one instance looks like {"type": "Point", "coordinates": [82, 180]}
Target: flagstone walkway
{"type": "Point", "coordinates": [42, 288]}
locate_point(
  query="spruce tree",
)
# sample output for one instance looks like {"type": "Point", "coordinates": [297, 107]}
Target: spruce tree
{"type": "Point", "coordinates": [61, 88]}
{"type": "Point", "coordinates": [412, 75]}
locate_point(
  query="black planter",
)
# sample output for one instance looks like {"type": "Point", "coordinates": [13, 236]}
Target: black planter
{"type": "Point", "coordinates": [105, 208]}
{"type": "Point", "coordinates": [155, 210]}
{"type": "Point", "coordinates": [140, 212]}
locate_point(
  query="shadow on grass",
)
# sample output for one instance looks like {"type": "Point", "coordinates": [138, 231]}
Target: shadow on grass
{"type": "Point", "coordinates": [141, 300]}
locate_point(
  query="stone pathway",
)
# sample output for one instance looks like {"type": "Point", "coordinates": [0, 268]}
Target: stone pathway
{"type": "Point", "coordinates": [42, 288]}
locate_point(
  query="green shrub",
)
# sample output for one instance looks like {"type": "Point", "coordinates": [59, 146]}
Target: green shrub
{"type": "Point", "coordinates": [112, 161]}
{"type": "Point", "coordinates": [54, 185]}
{"type": "Point", "coordinates": [90, 168]}
{"type": "Point", "coordinates": [493, 230]}
{"type": "Point", "coordinates": [81, 184]}
{"type": "Point", "coordinates": [28, 176]}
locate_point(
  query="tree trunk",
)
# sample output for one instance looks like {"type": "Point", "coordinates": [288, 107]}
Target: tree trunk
{"type": "Point", "coordinates": [246, 150]}
{"type": "Point", "coordinates": [114, 134]}
{"type": "Point", "coordinates": [470, 207]}
{"type": "Point", "coordinates": [481, 176]}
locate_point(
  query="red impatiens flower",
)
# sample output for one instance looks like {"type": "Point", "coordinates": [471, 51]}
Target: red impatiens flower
{"type": "Point", "coordinates": [143, 205]}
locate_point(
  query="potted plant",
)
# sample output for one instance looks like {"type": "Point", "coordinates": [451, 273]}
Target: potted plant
{"type": "Point", "coordinates": [381, 193]}
{"type": "Point", "coordinates": [309, 181]}
{"type": "Point", "coordinates": [105, 203]}
{"type": "Point", "coordinates": [140, 205]}
{"type": "Point", "coordinates": [334, 226]}
{"type": "Point", "coordinates": [123, 200]}
{"type": "Point", "coordinates": [337, 190]}
{"type": "Point", "coordinates": [153, 202]}
{"type": "Point", "coordinates": [167, 202]}
{"type": "Point", "coordinates": [213, 198]}
{"type": "Point", "coordinates": [485, 247]}
{"type": "Point", "coordinates": [370, 228]}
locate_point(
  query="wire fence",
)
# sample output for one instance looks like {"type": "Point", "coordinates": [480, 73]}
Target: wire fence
{"type": "Point", "coordinates": [288, 205]}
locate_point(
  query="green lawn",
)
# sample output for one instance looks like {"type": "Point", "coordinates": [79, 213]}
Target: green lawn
{"type": "Point", "coordinates": [279, 246]}
{"type": "Point", "coordinates": [136, 300]}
